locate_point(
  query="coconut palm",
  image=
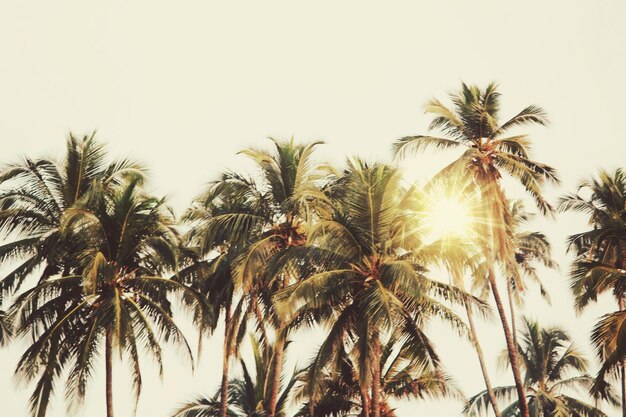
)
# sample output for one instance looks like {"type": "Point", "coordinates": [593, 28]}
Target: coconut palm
{"type": "Point", "coordinates": [404, 375]}
{"type": "Point", "coordinates": [460, 258]}
{"type": "Point", "coordinates": [35, 194]}
{"type": "Point", "coordinates": [213, 278]}
{"type": "Point", "coordinates": [600, 252]}
{"type": "Point", "coordinates": [251, 221]}
{"type": "Point", "coordinates": [212, 262]}
{"type": "Point", "coordinates": [457, 252]}
{"type": "Point", "coordinates": [553, 368]}
{"type": "Point", "coordinates": [531, 249]}
{"type": "Point", "coordinates": [364, 277]}
{"type": "Point", "coordinates": [608, 337]}
{"type": "Point", "coordinates": [490, 151]}
{"type": "Point", "coordinates": [247, 395]}
{"type": "Point", "coordinates": [124, 243]}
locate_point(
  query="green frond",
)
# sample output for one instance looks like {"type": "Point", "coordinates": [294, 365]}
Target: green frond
{"type": "Point", "coordinates": [530, 115]}
{"type": "Point", "coordinates": [411, 145]}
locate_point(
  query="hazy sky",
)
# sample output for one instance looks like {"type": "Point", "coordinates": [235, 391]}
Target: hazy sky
{"type": "Point", "coordinates": [184, 85]}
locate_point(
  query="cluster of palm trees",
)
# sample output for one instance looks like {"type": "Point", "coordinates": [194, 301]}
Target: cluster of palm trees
{"type": "Point", "coordinates": [96, 263]}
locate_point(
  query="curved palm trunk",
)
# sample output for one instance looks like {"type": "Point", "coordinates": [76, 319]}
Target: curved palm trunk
{"type": "Point", "coordinates": [376, 375]}
{"type": "Point", "coordinates": [275, 373]}
{"type": "Point", "coordinates": [620, 302]}
{"type": "Point", "coordinates": [623, 364]}
{"type": "Point", "coordinates": [510, 345]}
{"type": "Point", "coordinates": [509, 290]}
{"type": "Point", "coordinates": [493, 196]}
{"type": "Point", "coordinates": [225, 363]}
{"type": "Point", "coordinates": [481, 359]}
{"type": "Point", "coordinates": [365, 403]}
{"type": "Point", "coordinates": [108, 357]}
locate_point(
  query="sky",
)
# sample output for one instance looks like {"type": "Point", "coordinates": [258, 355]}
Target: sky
{"type": "Point", "coordinates": [183, 86]}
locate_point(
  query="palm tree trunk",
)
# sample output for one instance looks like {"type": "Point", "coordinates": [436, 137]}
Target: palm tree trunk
{"type": "Point", "coordinates": [509, 290]}
{"type": "Point", "coordinates": [108, 357]}
{"type": "Point", "coordinates": [365, 403]}
{"type": "Point", "coordinates": [481, 359]}
{"type": "Point", "coordinates": [510, 345]}
{"type": "Point", "coordinates": [376, 374]}
{"type": "Point", "coordinates": [620, 302]}
{"type": "Point", "coordinates": [276, 371]}
{"type": "Point", "coordinates": [623, 378]}
{"type": "Point", "coordinates": [225, 363]}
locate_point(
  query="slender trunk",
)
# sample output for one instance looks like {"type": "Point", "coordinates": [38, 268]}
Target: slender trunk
{"type": "Point", "coordinates": [109, 370]}
{"type": "Point", "coordinates": [225, 363]}
{"type": "Point", "coordinates": [376, 374]}
{"type": "Point", "coordinates": [275, 373]}
{"type": "Point", "coordinates": [623, 375]}
{"type": "Point", "coordinates": [623, 366]}
{"type": "Point", "coordinates": [509, 290]}
{"type": "Point", "coordinates": [510, 345]}
{"type": "Point", "coordinates": [365, 403]}
{"type": "Point", "coordinates": [481, 359]}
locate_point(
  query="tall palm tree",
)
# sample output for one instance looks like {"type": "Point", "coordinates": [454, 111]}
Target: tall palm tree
{"type": "Point", "coordinates": [363, 276]}
{"type": "Point", "coordinates": [254, 220]}
{"type": "Point", "coordinates": [473, 124]}
{"type": "Point", "coordinates": [459, 258]}
{"type": "Point", "coordinates": [552, 365]}
{"type": "Point", "coordinates": [404, 375]}
{"type": "Point", "coordinates": [211, 270]}
{"type": "Point", "coordinates": [214, 280]}
{"type": "Point", "coordinates": [601, 251]}
{"type": "Point", "coordinates": [35, 193]}
{"type": "Point", "coordinates": [458, 253]}
{"type": "Point", "coordinates": [124, 243]}
{"type": "Point", "coordinates": [531, 249]}
{"type": "Point", "coordinates": [247, 395]}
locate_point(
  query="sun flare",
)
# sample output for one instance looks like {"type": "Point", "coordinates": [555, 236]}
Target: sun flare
{"type": "Point", "coordinates": [448, 217]}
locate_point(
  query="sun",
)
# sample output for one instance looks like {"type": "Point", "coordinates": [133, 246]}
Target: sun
{"type": "Point", "coordinates": [447, 217]}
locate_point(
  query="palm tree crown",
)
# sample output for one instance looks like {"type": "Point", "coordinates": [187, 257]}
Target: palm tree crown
{"type": "Point", "coordinates": [123, 242]}
{"type": "Point", "coordinates": [36, 193]}
{"type": "Point", "coordinates": [364, 276]}
{"type": "Point", "coordinates": [553, 366]}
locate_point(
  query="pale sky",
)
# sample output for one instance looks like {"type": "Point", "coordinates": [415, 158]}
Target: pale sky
{"type": "Point", "coordinates": [183, 85]}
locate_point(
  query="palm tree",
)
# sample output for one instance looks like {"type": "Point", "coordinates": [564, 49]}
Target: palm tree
{"type": "Point", "coordinates": [212, 262]}
{"type": "Point", "coordinates": [552, 365]}
{"type": "Point", "coordinates": [251, 221]}
{"type": "Point", "coordinates": [601, 251]}
{"type": "Point", "coordinates": [213, 278]}
{"type": "Point", "coordinates": [248, 395]}
{"type": "Point", "coordinates": [458, 253]}
{"type": "Point", "coordinates": [124, 243]}
{"type": "Point", "coordinates": [35, 195]}
{"type": "Point", "coordinates": [473, 124]}
{"type": "Point", "coordinates": [404, 375]}
{"type": "Point", "coordinates": [363, 276]}
{"type": "Point", "coordinates": [608, 337]}
{"type": "Point", "coordinates": [531, 248]}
